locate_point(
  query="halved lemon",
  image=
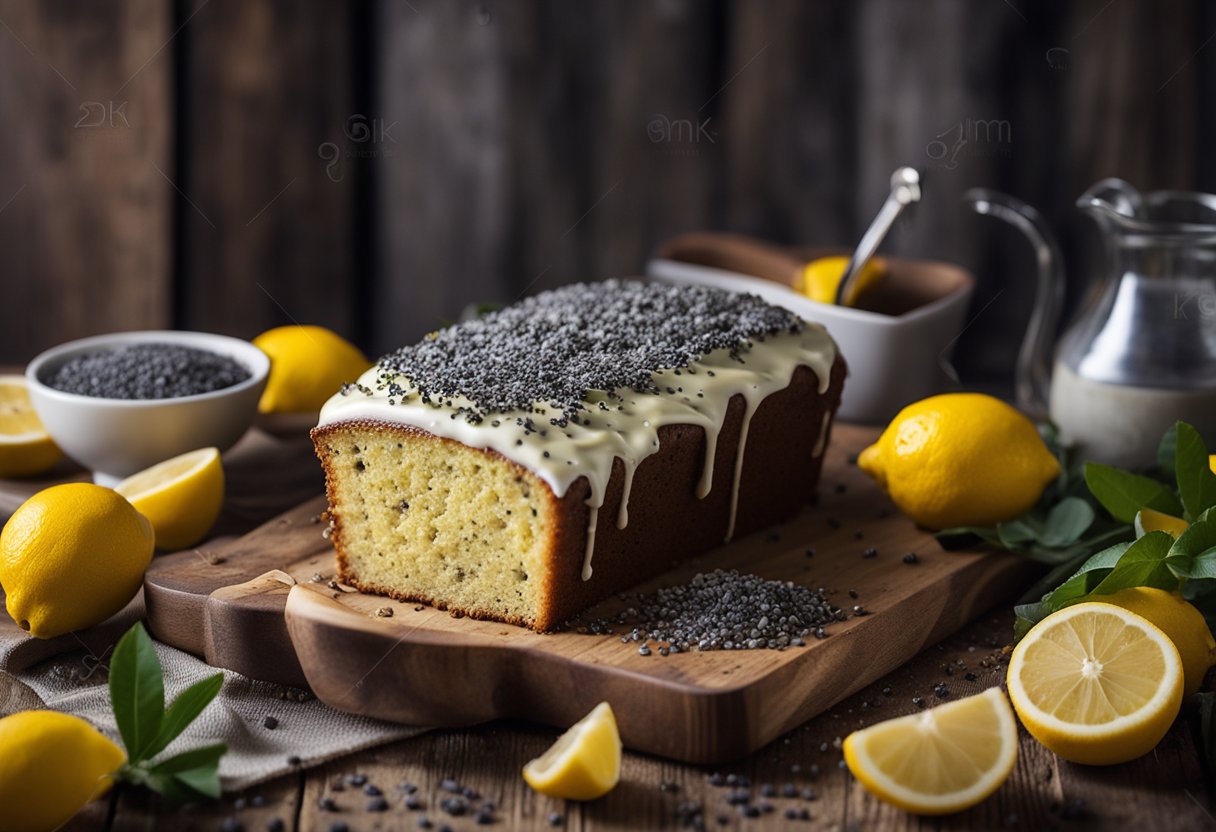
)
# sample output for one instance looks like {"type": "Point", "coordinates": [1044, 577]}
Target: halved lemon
{"type": "Point", "coordinates": [181, 497]}
{"type": "Point", "coordinates": [26, 448]}
{"type": "Point", "coordinates": [821, 279]}
{"type": "Point", "coordinates": [584, 763]}
{"type": "Point", "coordinates": [938, 761]}
{"type": "Point", "coordinates": [1096, 683]}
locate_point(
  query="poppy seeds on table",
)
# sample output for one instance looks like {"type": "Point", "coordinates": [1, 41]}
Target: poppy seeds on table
{"type": "Point", "coordinates": [725, 610]}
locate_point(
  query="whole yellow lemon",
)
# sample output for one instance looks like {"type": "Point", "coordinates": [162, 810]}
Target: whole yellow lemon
{"type": "Point", "coordinates": [1178, 619]}
{"type": "Point", "coordinates": [71, 556]}
{"type": "Point", "coordinates": [307, 365]}
{"type": "Point", "coordinates": [961, 459]}
{"type": "Point", "coordinates": [51, 765]}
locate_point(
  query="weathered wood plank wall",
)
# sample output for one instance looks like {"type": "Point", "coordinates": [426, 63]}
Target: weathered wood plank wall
{"type": "Point", "coordinates": [375, 166]}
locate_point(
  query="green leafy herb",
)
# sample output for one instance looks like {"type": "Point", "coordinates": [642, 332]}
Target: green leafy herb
{"type": "Point", "coordinates": [1196, 482]}
{"type": "Point", "coordinates": [137, 694]}
{"type": "Point", "coordinates": [1123, 493]}
{"type": "Point", "coordinates": [1155, 559]}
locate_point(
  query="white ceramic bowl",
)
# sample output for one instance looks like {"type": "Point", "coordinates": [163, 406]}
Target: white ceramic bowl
{"type": "Point", "coordinates": [115, 438]}
{"type": "Point", "coordinates": [893, 360]}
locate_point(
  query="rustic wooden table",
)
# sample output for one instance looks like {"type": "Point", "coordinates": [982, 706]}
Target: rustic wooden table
{"type": "Point", "coordinates": [796, 782]}
{"type": "Point", "coordinates": [1164, 790]}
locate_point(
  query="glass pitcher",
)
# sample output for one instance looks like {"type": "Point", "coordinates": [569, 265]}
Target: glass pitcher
{"type": "Point", "coordinates": [1141, 353]}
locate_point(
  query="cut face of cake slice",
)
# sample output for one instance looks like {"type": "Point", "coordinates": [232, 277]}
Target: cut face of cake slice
{"type": "Point", "coordinates": [525, 465]}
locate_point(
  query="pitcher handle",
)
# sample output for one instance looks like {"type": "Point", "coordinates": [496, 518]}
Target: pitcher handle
{"type": "Point", "coordinates": [1033, 373]}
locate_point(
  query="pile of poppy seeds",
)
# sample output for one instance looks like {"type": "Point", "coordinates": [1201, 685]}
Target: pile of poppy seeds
{"type": "Point", "coordinates": [146, 371]}
{"type": "Point", "coordinates": [557, 346]}
{"type": "Point", "coordinates": [724, 610]}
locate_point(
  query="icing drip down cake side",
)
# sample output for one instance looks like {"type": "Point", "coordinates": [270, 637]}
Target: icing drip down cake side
{"type": "Point", "coordinates": [525, 465]}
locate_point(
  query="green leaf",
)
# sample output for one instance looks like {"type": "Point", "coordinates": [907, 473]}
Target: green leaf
{"type": "Point", "coordinates": [1196, 482]}
{"type": "Point", "coordinates": [184, 710]}
{"type": "Point", "coordinates": [1167, 451]}
{"type": "Point", "coordinates": [1013, 533]}
{"type": "Point", "coordinates": [1201, 567]}
{"type": "Point", "coordinates": [183, 787]}
{"type": "Point", "coordinates": [1143, 564]}
{"type": "Point", "coordinates": [1066, 522]}
{"type": "Point", "coordinates": [196, 770]}
{"type": "Point", "coordinates": [205, 781]}
{"type": "Point", "coordinates": [137, 692]}
{"type": "Point", "coordinates": [1025, 617]}
{"type": "Point", "coordinates": [201, 757]}
{"type": "Point", "coordinates": [1082, 583]}
{"type": "Point", "coordinates": [964, 537]}
{"type": "Point", "coordinates": [1105, 559]}
{"type": "Point", "coordinates": [1123, 494]}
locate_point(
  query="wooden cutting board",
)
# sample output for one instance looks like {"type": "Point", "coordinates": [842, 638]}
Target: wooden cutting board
{"type": "Point", "coordinates": [263, 604]}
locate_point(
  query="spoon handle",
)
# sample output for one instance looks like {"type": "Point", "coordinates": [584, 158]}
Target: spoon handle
{"type": "Point", "coordinates": [905, 189]}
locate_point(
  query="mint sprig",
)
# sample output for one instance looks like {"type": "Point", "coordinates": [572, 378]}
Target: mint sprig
{"type": "Point", "coordinates": [137, 695]}
{"type": "Point", "coordinates": [1154, 559]}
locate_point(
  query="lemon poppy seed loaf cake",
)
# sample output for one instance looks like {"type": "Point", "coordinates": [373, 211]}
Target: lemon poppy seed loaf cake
{"type": "Point", "coordinates": [525, 465]}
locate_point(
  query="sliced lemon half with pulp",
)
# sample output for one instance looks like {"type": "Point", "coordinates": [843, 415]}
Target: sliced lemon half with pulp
{"type": "Point", "coordinates": [939, 761]}
{"type": "Point", "coordinates": [181, 497]}
{"type": "Point", "coordinates": [26, 448]}
{"type": "Point", "coordinates": [1096, 683]}
{"type": "Point", "coordinates": [584, 763]}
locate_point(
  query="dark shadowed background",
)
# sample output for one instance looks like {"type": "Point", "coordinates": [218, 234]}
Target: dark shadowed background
{"type": "Point", "coordinates": [374, 166]}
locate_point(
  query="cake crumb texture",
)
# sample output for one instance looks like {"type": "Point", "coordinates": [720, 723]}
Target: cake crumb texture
{"type": "Point", "coordinates": [471, 527]}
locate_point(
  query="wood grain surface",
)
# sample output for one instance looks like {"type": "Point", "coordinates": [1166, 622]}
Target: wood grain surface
{"type": "Point", "coordinates": [396, 660]}
{"type": "Point", "coordinates": [85, 221]}
{"type": "Point", "coordinates": [1163, 790]}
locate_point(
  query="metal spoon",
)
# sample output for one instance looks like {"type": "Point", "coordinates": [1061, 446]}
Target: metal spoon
{"type": "Point", "coordinates": [905, 189]}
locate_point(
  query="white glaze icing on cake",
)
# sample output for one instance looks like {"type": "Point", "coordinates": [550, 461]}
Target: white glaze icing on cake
{"type": "Point", "coordinates": [623, 426]}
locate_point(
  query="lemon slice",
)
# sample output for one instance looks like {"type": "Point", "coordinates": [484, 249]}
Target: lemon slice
{"type": "Point", "coordinates": [584, 763]}
{"type": "Point", "coordinates": [180, 496]}
{"type": "Point", "coordinates": [941, 760]}
{"type": "Point", "coordinates": [26, 448]}
{"type": "Point", "coordinates": [820, 279]}
{"type": "Point", "coordinates": [1096, 683]}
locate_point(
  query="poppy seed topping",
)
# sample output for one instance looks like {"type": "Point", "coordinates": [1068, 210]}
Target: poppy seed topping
{"type": "Point", "coordinates": [557, 346]}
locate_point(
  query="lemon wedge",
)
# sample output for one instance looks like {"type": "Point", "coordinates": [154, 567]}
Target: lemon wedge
{"type": "Point", "coordinates": [180, 496]}
{"type": "Point", "coordinates": [820, 279]}
{"type": "Point", "coordinates": [26, 448]}
{"type": "Point", "coordinates": [1096, 683]}
{"type": "Point", "coordinates": [584, 763]}
{"type": "Point", "coordinates": [1148, 520]}
{"type": "Point", "coordinates": [939, 761]}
